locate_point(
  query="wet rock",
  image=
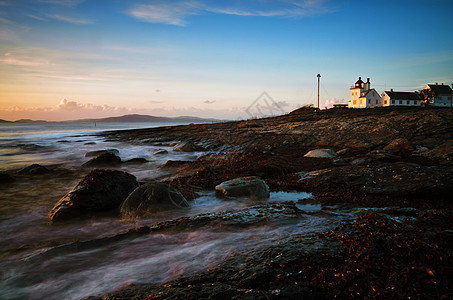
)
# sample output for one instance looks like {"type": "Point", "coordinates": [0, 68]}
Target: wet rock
{"type": "Point", "coordinates": [399, 144]}
{"type": "Point", "coordinates": [90, 143]}
{"type": "Point", "coordinates": [105, 159]}
{"type": "Point", "coordinates": [30, 147]}
{"type": "Point", "coordinates": [360, 161]}
{"type": "Point", "coordinates": [186, 147]}
{"type": "Point", "coordinates": [100, 190]}
{"type": "Point", "coordinates": [152, 197]}
{"type": "Point", "coordinates": [161, 152]}
{"type": "Point", "coordinates": [5, 178]}
{"type": "Point", "coordinates": [34, 169]}
{"type": "Point", "coordinates": [251, 186]}
{"type": "Point", "coordinates": [100, 152]}
{"type": "Point", "coordinates": [136, 161]}
{"type": "Point", "coordinates": [321, 153]}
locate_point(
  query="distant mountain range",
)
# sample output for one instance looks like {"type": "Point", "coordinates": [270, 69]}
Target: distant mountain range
{"type": "Point", "coordinates": [134, 118]}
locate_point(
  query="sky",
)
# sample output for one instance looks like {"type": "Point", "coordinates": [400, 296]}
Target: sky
{"type": "Point", "coordinates": [73, 59]}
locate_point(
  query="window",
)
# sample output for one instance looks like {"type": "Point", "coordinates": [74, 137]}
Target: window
{"type": "Point", "coordinates": [385, 102]}
{"type": "Point", "coordinates": [354, 102]}
{"type": "Point", "coordinates": [408, 102]}
{"type": "Point", "coordinates": [376, 101]}
{"type": "Point", "coordinates": [401, 102]}
{"type": "Point", "coordinates": [393, 101]}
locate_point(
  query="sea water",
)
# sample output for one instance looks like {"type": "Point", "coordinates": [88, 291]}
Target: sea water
{"type": "Point", "coordinates": [36, 264]}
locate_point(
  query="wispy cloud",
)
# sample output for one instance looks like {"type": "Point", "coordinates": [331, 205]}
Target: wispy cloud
{"type": "Point", "coordinates": [176, 13]}
{"type": "Point", "coordinates": [164, 12]}
{"type": "Point", "coordinates": [72, 20]}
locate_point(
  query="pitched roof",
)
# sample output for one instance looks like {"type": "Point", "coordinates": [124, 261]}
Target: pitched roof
{"type": "Point", "coordinates": [440, 89]}
{"type": "Point", "coordinates": [403, 95]}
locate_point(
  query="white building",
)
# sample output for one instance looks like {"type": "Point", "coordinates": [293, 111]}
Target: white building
{"type": "Point", "coordinates": [363, 96]}
{"type": "Point", "coordinates": [391, 98]}
{"type": "Point", "coordinates": [442, 94]}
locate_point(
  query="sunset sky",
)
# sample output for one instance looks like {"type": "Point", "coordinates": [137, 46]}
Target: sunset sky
{"type": "Point", "coordinates": [71, 59]}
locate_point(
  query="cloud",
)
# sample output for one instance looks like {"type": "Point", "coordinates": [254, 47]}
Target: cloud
{"type": "Point", "coordinates": [73, 106]}
{"type": "Point", "coordinates": [164, 12]}
{"type": "Point", "coordinates": [176, 13]}
{"type": "Point", "coordinates": [209, 101]}
{"type": "Point", "coordinates": [71, 20]}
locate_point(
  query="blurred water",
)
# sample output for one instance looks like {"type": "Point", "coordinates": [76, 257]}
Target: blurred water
{"type": "Point", "coordinates": [36, 264]}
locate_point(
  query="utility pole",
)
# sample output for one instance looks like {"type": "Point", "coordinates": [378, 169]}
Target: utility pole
{"type": "Point", "coordinates": [319, 78]}
{"type": "Point", "coordinates": [451, 96]}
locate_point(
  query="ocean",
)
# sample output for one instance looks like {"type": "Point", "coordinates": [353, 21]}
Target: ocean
{"type": "Point", "coordinates": [39, 260]}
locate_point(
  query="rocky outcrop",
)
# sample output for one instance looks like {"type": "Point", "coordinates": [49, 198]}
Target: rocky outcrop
{"type": "Point", "coordinates": [186, 147]}
{"type": "Point", "coordinates": [103, 160]}
{"type": "Point", "coordinates": [152, 197]}
{"type": "Point", "coordinates": [100, 152]}
{"type": "Point", "coordinates": [251, 187]}
{"type": "Point", "coordinates": [399, 144]}
{"type": "Point", "coordinates": [34, 169]}
{"type": "Point", "coordinates": [100, 190]}
{"type": "Point", "coordinates": [321, 153]}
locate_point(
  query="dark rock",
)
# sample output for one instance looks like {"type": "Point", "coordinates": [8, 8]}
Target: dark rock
{"type": "Point", "coordinates": [30, 147]}
{"type": "Point", "coordinates": [186, 147]}
{"type": "Point", "coordinates": [136, 161]}
{"type": "Point", "coordinates": [152, 197]}
{"type": "Point", "coordinates": [34, 169]}
{"type": "Point", "coordinates": [100, 190]}
{"type": "Point", "coordinates": [161, 152]}
{"type": "Point", "coordinates": [100, 152]}
{"type": "Point", "coordinates": [5, 178]}
{"type": "Point", "coordinates": [344, 151]}
{"type": "Point", "coordinates": [399, 144]}
{"type": "Point", "coordinates": [90, 143]}
{"type": "Point", "coordinates": [251, 186]}
{"type": "Point", "coordinates": [105, 159]}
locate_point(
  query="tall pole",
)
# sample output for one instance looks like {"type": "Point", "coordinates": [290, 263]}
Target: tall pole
{"type": "Point", "coordinates": [319, 77]}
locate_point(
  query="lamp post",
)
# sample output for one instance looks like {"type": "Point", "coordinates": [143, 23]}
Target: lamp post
{"type": "Point", "coordinates": [319, 78]}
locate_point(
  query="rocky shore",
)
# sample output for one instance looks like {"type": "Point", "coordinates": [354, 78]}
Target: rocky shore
{"type": "Point", "coordinates": [397, 161]}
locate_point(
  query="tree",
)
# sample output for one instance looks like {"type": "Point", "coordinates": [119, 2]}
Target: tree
{"type": "Point", "coordinates": [427, 96]}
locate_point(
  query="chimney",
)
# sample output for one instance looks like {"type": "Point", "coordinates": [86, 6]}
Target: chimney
{"type": "Point", "coordinates": [442, 83]}
{"type": "Point", "coordinates": [391, 90]}
{"type": "Point", "coordinates": [368, 80]}
{"type": "Point", "coordinates": [436, 83]}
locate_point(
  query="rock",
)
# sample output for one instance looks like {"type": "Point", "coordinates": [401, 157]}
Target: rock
{"type": "Point", "coordinates": [136, 161]}
{"type": "Point", "coordinates": [105, 159]}
{"type": "Point", "coordinates": [90, 143]}
{"type": "Point", "coordinates": [186, 147]}
{"type": "Point", "coordinates": [321, 153]}
{"type": "Point", "coordinates": [5, 178]}
{"type": "Point", "coordinates": [344, 151]}
{"type": "Point", "coordinates": [161, 152]}
{"type": "Point", "coordinates": [399, 144]}
{"type": "Point", "coordinates": [361, 161]}
{"type": "Point", "coordinates": [34, 169]}
{"type": "Point", "coordinates": [100, 190]}
{"type": "Point", "coordinates": [100, 152]}
{"type": "Point", "coordinates": [251, 186]}
{"type": "Point", "coordinates": [152, 197]}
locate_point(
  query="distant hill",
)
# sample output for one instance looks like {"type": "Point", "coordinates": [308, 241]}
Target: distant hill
{"type": "Point", "coordinates": [135, 118]}
{"type": "Point", "coordinates": [29, 121]}
{"type": "Point", "coordinates": [4, 121]}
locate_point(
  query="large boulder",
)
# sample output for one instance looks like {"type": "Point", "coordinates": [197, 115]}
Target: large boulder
{"type": "Point", "coordinates": [103, 160]}
{"type": "Point", "coordinates": [100, 190]}
{"type": "Point", "coordinates": [5, 178]}
{"type": "Point", "coordinates": [252, 187]}
{"type": "Point", "coordinates": [321, 153]}
{"type": "Point", "coordinates": [152, 197]}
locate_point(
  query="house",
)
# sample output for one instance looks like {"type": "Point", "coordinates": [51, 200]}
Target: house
{"type": "Point", "coordinates": [438, 95]}
{"type": "Point", "coordinates": [391, 98]}
{"type": "Point", "coordinates": [363, 96]}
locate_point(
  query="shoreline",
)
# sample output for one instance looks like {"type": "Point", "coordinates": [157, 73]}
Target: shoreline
{"type": "Point", "coordinates": [400, 160]}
